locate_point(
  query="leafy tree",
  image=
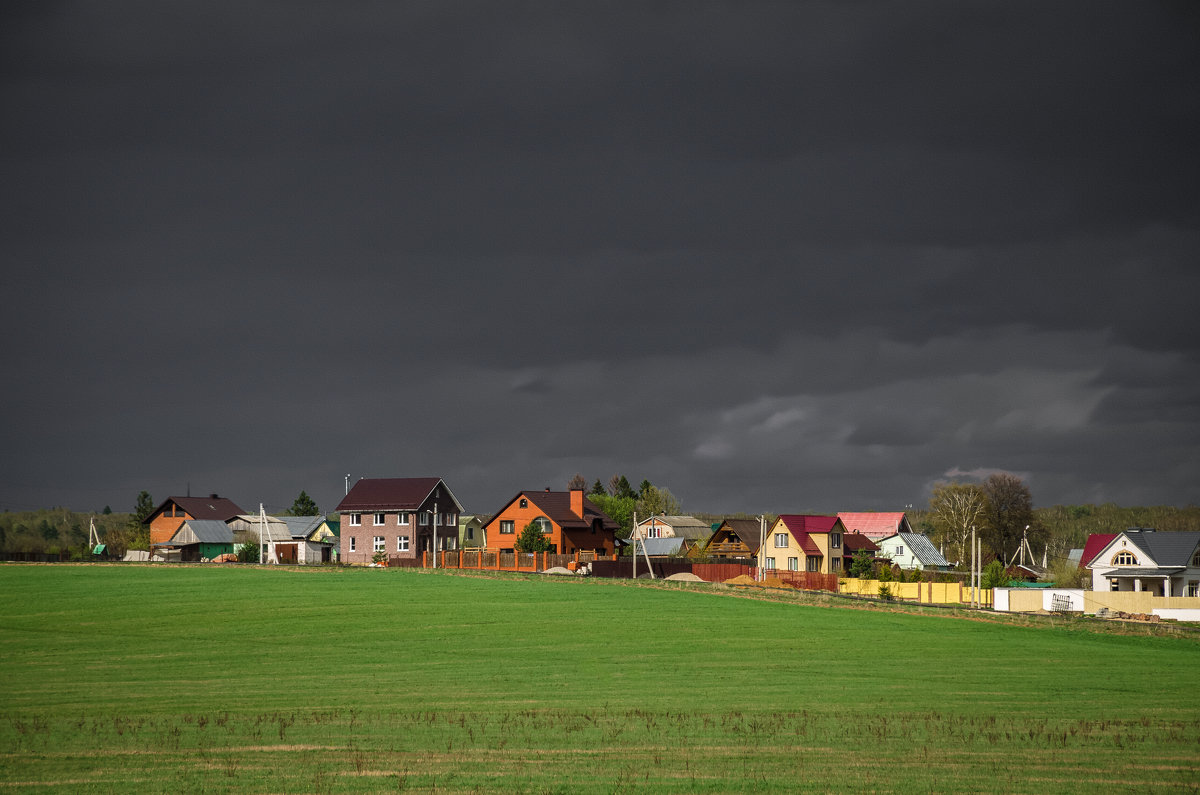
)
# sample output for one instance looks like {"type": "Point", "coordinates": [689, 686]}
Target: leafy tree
{"type": "Point", "coordinates": [654, 501]}
{"type": "Point", "coordinates": [597, 488]}
{"type": "Point", "coordinates": [1009, 512]}
{"type": "Point", "coordinates": [304, 506]}
{"type": "Point", "coordinates": [618, 486]}
{"type": "Point", "coordinates": [248, 553]}
{"type": "Point", "coordinates": [532, 539]}
{"type": "Point", "coordinates": [994, 575]}
{"type": "Point", "coordinates": [144, 507]}
{"type": "Point", "coordinates": [577, 482]}
{"type": "Point", "coordinates": [955, 508]}
{"type": "Point", "coordinates": [862, 565]}
{"type": "Point", "coordinates": [619, 509]}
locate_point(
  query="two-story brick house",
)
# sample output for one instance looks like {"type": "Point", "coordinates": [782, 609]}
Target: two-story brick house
{"type": "Point", "coordinates": [570, 521]}
{"type": "Point", "coordinates": [401, 517]}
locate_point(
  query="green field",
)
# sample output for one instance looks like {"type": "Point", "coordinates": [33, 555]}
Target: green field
{"type": "Point", "coordinates": [139, 678]}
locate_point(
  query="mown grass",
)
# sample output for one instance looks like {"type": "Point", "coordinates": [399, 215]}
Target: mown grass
{"type": "Point", "coordinates": [261, 680]}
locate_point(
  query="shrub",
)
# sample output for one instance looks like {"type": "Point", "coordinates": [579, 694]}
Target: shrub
{"type": "Point", "coordinates": [885, 592]}
{"type": "Point", "coordinates": [247, 553]}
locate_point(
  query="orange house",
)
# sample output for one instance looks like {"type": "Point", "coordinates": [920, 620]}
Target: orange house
{"type": "Point", "coordinates": [569, 520]}
{"type": "Point", "coordinates": [170, 516]}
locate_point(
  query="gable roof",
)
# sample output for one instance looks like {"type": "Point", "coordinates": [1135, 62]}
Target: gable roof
{"type": "Point", "coordinates": [802, 525]}
{"type": "Point", "coordinates": [1166, 548]}
{"type": "Point", "coordinates": [1095, 545]}
{"type": "Point", "coordinates": [660, 546]}
{"type": "Point", "coordinates": [922, 549]}
{"type": "Point", "coordinates": [221, 509]}
{"type": "Point", "coordinates": [556, 506]}
{"type": "Point", "coordinates": [302, 526]}
{"type": "Point", "coordinates": [875, 524]}
{"type": "Point", "coordinates": [748, 531]}
{"type": "Point", "coordinates": [202, 531]}
{"type": "Point", "coordinates": [391, 494]}
{"type": "Point", "coordinates": [688, 527]}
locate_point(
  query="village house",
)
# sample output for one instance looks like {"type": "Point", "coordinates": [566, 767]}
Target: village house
{"type": "Point", "coordinates": [1144, 559]}
{"type": "Point", "coordinates": [852, 544]}
{"type": "Point", "coordinates": [664, 526]}
{"type": "Point", "coordinates": [735, 539]}
{"type": "Point", "coordinates": [875, 525]}
{"type": "Point", "coordinates": [201, 540]}
{"type": "Point", "coordinates": [568, 519]}
{"type": "Point", "coordinates": [804, 542]}
{"type": "Point", "coordinates": [168, 517]}
{"type": "Point", "coordinates": [401, 517]}
{"type": "Point", "coordinates": [912, 551]}
{"type": "Point", "coordinates": [470, 531]}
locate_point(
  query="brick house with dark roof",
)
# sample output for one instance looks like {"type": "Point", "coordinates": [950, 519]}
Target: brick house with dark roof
{"type": "Point", "coordinates": [570, 521]}
{"type": "Point", "coordinates": [174, 511]}
{"type": "Point", "coordinates": [399, 516]}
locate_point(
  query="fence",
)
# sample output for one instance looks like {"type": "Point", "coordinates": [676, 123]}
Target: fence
{"type": "Point", "coordinates": [934, 593]}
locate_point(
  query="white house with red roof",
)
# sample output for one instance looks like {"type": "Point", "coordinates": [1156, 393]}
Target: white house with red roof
{"type": "Point", "coordinates": [804, 542]}
{"type": "Point", "coordinates": [401, 517]}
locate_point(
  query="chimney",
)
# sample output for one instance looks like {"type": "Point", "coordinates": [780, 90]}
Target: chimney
{"type": "Point", "coordinates": [577, 502]}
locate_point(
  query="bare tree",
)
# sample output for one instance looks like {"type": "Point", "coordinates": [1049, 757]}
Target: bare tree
{"type": "Point", "coordinates": [577, 482]}
{"type": "Point", "coordinates": [955, 509]}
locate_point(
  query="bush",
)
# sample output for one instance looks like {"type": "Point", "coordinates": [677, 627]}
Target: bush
{"type": "Point", "coordinates": [994, 576]}
{"type": "Point", "coordinates": [885, 592]}
{"type": "Point", "coordinates": [248, 553]}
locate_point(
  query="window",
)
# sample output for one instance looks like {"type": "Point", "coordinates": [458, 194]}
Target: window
{"type": "Point", "coordinates": [1193, 588]}
{"type": "Point", "coordinates": [380, 519]}
{"type": "Point", "coordinates": [835, 540]}
{"type": "Point", "coordinates": [899, 550]}
{"type": "Point", "coordinates": [355, 519]}
{"type": "Point", "coordinates": [793, 564]}
{"type": "Point", "coordinates": [378, 543]}
{"type": "Point", "coordinates": [653, 531]}
{"type": "Point", "coordinates": [470, 533]}
{"type": "Point", "coordinates": [402, 518]}
{"type": "Point", "coordinates": [450, 520]}
{"type": "Point", "coordinates": [1196, 558]}
{"type": "Point", "coordinates": [812, 563]}
{"type": "Point", "coordinates": [524, 503]}
{"type": "Point", "coordinates": [781, 540]}
{"type": "Point", "coordinates": [401, 543]}
{"type": "Point", "coordinates": [351, 543]}
{"type": "Point", "coordinates": [1124, 559]}
{"type": "Point", "coordinates": [544, 524]}
{"type": "Point", "coordinates": [506, 526]}
{"type": "Point", "coordinates": [836, 564]}
{"type": "Point", "coordinates": [770, 564]}
{"type": "Point", "coordinates": [423, 518]}
{"type": "Point", "coordinates": [1114, 584]}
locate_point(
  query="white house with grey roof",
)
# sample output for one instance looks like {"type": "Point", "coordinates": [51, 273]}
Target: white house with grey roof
{"type": "Point", "coordinates": [912, 551]}
{"type": "Point", "coordinates": [665, 526]}
{"type": "Point", "coordinates": [1143, 559]}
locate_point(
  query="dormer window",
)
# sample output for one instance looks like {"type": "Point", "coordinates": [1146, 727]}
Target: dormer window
{"type": "Point", "coordinates": [1196, 558]}
{"type": "Point", "coordinates": [524, 503]}
{"type": "Point", "coordinates": [1124, 559]}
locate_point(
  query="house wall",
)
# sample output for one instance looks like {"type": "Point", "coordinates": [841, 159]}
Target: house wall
{"type": "Point", "coordinates": [794, 550]}
{"type": "Point", "coordinates": [520, 517]}
{"type": "Point", "coordinates": [391, 530]}
{"type": "Point", "coordinates": [164, 526]}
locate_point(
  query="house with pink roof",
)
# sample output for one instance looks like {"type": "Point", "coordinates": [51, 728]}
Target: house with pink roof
{"type": "Point", "coordinates": [876, 525]}
{"type": "Point", "coordinates": [804, 542]}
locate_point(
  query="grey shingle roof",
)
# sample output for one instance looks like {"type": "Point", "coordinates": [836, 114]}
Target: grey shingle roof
{"type": "Point", "coordinates": [301, 526]}
{"type": "Point", "coordinates": [923, 549]}
{"type": "Point", "coordinates": [1167, 548]}
{"type": "Point", "coordinates": [661, 546]}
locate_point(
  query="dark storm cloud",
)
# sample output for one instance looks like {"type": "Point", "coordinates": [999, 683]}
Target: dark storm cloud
{"type": "Point", "coordinates": [770, 255]}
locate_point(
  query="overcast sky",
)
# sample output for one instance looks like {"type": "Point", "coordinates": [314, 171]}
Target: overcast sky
{"type": "Point", "coordinates": [776, 257]}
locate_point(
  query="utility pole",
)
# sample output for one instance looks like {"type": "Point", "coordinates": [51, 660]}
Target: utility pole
{"type": "Point", "coordinates": [762, 541]}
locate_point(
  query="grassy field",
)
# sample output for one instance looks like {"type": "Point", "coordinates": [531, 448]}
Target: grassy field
{"type": "Point", "coordinates": [136, 678]}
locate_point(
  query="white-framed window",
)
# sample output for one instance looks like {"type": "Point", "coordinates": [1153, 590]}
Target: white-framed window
{"type": "Point", "coordinates": [793, 564]}
{"type": "Point", "coordinates": [380, 519]}
{"type": "Point", "coordinates": [423, 518]}
{"type": "Point", "coordinates": [836, 564]}
{"type": "Point", "coordinates": [653, 531]}
{"type": "Point", "coordinates": [770, 564]}
{"type": "Point", "coordinates": [812, 563]}
{"type": "Point", "coordinates": [451, 520]}
{"type": "Point", "coordinates": [402, 518]}
{"type": "Point", "coordinates": [544, 523]}
{"type": "Point", "coordinates": [352, 539]}
{"type": "Point", "coordinates": [899, 550]}
{"type": "Point", "coordinates": [401, 543]}
{"type": "Point", "coordinates": [355, 519]}
{"type": "Point", "coordinates": [781, 541]}
{"type": "Point", "coordinates": [1196, 558]}
{"type": "Point", "coordinates": [507, 526]}
{"type": "Point", "coordinates": [379, 541]}
{"type": "Point", "coordinates": [835, 540]}
{"type": "Point", "coordinates": [1124, 559]}
{"type": "Point", "coordinates": [1193, 588]}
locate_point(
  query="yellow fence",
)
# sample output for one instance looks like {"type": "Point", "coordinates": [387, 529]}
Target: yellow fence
{"type": "Point", "coordinates": [933, 593]}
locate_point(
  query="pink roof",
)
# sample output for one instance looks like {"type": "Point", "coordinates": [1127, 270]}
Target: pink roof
{"type": "Point", "coordinates": [875, 525]}
{"type": "Point", "coordinates": [1095, 545]}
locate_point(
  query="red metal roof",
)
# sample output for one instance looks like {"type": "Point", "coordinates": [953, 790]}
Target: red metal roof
{"type": "Point", "coordinates": [391, 494]}
{"type": "Point", "coordinates": [800, 525]}
{"type": "Point", "coordinates": [875, 525]}
{"type": "Point", "coordinates": [1095, 545]}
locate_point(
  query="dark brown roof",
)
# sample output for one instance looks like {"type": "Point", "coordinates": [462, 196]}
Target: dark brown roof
{"type": "Point", "coordinates": [748, 531]}
{"type": "Point", "coordinates": [857, 542]}
{"type": "Point", "coordinates": [391, 494]}
{"type": "Point", "coordinates": [221, 509]}
{"type": "Point", "coordinates": [556, 505]}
